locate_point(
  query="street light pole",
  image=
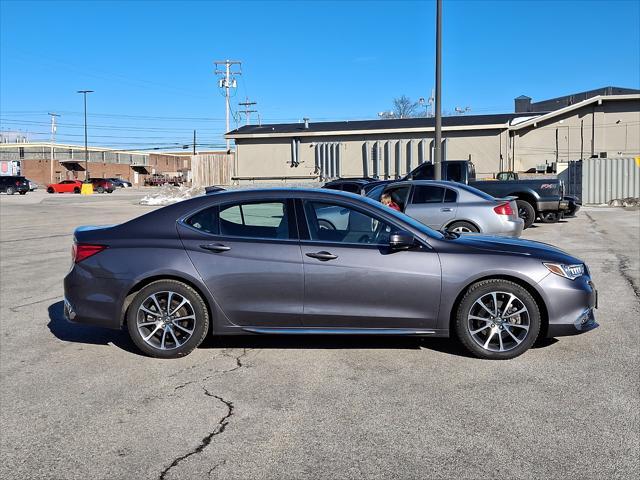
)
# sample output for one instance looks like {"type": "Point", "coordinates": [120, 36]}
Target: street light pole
{"type": "Point", "coordinates": [437, 148]}
{"type": "Point", "coordinates": [86, 148]}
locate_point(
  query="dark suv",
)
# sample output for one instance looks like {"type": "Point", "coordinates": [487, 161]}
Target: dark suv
{"type": "Point", "coordinates": [102, 185]}
{"type": "Point", "coordinates": [11, 184]}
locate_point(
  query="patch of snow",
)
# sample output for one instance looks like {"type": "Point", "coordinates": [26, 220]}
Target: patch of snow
{"type": "Point", "coordinates": [169, 194]}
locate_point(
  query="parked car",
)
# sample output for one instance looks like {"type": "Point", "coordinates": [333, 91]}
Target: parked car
{"type": "Point", "coordinates": [259, 262]}
{"type": "Point", "coordinates": [101, 185]}
{"type": "Point", "coordinates": [454, 206]}
{"type": "Point", "coordinates": [120, 183]}
{"type": "Point", "coordinates": [65, 186]}
{"type": "Point", "coordinates": [535, 198]}
{"type": "Point", "coordinates": [11, 184]}
{"type": "Point", "coordinates": [352, 185]}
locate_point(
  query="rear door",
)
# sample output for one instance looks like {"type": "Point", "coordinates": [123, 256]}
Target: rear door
{"type": "Point", "coordinates": [433, 205]}
{"type": "Point", "coordinates": [249, 257]}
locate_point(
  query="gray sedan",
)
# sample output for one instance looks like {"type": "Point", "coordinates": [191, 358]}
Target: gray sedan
{"type": "Point", "coordinates": [453, 206]}
{"type": "Point", "coordinates": [261, 262]}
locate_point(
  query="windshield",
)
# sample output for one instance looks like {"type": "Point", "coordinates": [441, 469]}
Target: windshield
{"type": "Point", "coordinates": [405, 218]}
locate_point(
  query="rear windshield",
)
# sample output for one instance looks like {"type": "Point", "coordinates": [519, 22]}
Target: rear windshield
{"type": "Point", "coordinates": [475, 191]}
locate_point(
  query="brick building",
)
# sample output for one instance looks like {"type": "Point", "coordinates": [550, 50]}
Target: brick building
{"type": "Point", "coordinates": [69, 162]}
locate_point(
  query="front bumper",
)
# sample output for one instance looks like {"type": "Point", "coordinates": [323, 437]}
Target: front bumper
{"type": "Point", "coordinates": [570, 304]}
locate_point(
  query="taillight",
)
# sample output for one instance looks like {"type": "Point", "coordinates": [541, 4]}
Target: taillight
{"type": "Point", "coordinates": [82, 251]}
{"type": "Point", "coordinates": [503, 209]}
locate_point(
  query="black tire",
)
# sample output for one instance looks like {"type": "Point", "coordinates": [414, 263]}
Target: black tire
{"type": "Point", "coordinates": [526, 212]}
{"type": "Point", "coordinates": [200, 313]}
{"type": "Point", "coordinates": [483, 290]}
{"type": "Point", "coordinates": [50, 190]}
{"type": "Point", "coordinates": [76, 190]}
{"type": "Point", "coordinates": [100, 190]}
{"type": "Point", "coordinates": [463, 227]}
{"type": "Point", "coordinates": [23, 193]}
{"type": "Point", "coordinates": [549, 217]}
{"type": "Point", "coordinates": [10, 190]}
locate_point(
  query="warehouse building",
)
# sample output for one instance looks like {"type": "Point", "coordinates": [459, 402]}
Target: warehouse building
{"type": "Point", "coordinates": [69, 162]}
{"type": "Point", "coordinates": [599, 123]}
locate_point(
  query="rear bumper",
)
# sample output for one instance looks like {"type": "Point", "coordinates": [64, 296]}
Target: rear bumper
{"type": "Point", "coordinates": [91, 300]}
{"type": "Point", "coordinates": [507, 227]}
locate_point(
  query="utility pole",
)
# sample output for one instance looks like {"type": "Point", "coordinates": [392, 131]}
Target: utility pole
{"type": "Point", "coordinates": [437, 148]}
{"type": "Point", "coordinates": [227, 82]}
{"type": "Point", "coordinates": [86, 148]}
{"type": "Point", "coordinates": [53, 140]}
{"type": "Point", "coordinates": [247, 113]}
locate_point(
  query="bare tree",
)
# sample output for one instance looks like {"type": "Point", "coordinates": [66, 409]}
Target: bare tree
{"type": "Point", "coordinates": [404, 107]}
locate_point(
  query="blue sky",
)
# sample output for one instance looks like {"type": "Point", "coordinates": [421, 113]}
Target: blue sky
{"type": "Point", "coordinates": [150, 62]}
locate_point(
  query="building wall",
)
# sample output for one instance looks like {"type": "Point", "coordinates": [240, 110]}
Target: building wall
{"type": "Point", "coordinates": [613, 127]}
{"type": "Point", "coordinates": [616, 131]}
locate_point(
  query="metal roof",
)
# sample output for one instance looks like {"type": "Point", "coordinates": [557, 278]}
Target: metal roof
{"type": "Point", "coordinates": [357, 126]}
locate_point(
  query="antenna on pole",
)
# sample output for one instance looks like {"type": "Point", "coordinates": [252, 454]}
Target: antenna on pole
{"type": "Point", "coordinates": [246, 104]}
{"type": "Point", "coordinates": [227, 82]}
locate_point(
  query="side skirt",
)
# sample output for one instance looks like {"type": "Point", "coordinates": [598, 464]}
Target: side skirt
{"type": "Point", "coordinates": [340, 331]}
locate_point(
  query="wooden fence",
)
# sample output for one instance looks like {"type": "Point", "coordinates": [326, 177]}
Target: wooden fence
{"type": "Point", "coordinates": [211, 169]}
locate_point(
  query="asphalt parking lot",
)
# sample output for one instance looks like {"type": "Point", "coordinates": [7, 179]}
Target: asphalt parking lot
{"type": "Point", "coordinates": [80, 402]}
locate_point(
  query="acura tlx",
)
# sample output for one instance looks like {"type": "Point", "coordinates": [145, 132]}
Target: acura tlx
{"type": "Point", "coordinates": [259, 262]}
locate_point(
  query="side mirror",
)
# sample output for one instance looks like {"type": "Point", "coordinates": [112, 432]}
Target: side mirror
{"type": "Point", "coordinates": [401, 240]}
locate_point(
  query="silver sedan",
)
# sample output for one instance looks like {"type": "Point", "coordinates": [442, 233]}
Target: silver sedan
{"type": "Point", "coordinates": [453, 206]}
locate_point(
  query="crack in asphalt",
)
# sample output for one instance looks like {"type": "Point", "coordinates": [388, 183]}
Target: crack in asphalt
{"type": "Point", "coordinates": [206, 440]}
{"type": "Point", "coordinates": [16, 307]}
{"type": "Point", "coordinates": [212, 469]}
{"type": "Point", "coordinates": [222, 423]}
{"type": "Point", "coordinates": [623, 268]}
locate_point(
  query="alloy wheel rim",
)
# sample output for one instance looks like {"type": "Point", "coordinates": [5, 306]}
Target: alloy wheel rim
{"type": "Point", "coordinates": [498, 321]}
{"type": "Point", "coordinates": [166, 320]}
{"type": "Point", "coordinates": [462, 230]}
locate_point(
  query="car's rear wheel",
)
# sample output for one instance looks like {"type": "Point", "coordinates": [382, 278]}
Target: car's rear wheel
{"type": "Point", "coordinates": [100, 190]}
{"type": "Point", "coordinates": [10, 190]}
{"type": "Point", "coordinates": [497, 319]}
{"type": "Point", "coordinates": [463, 227]}
{"type": "Point", "coordinates": [76, 190]}
{"type": "Point", "coordinates": [167, 319]}
{"type": "Point", "coordinates": [50, 190]}
{"type": "Point", "coordinates": [526, 212]}
{"type": "Point", "coordinates": [23, 193]}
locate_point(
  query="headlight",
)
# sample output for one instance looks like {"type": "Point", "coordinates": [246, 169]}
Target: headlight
{"type": "Point", "coordinates": [567, 271]}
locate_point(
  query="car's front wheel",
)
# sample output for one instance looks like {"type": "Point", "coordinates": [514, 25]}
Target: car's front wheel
{"type": "Point", "coordinates": [100, 190]}
{"type": "Point", "coordinates": [167, 319]}
{"type": "Point", "coordinates": [497, 319]}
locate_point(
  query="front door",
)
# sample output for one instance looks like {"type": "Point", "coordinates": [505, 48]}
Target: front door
{"type": "Point", "coordinates": [433, 205]}
{"type": "Point", "coordinates": [353, 279]}
{"type": "Point", "coordinates": [249, 257]}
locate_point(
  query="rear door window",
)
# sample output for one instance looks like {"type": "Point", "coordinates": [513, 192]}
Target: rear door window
{"type": "Point", "coordinates": [450, 196]}
{"type": "Point", "coordinates": [255, 220]}
{"type": "Point", "coordinates": [428, 194]}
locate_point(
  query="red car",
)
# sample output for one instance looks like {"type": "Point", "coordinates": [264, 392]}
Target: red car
{"type": "Point", "coordinates": [65, 186]}
{"type": "Point", "coordinates": [102, 185]}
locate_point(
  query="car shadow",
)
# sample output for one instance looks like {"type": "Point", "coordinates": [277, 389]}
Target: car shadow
{"type": "Point", "coordinates": [66, 331]}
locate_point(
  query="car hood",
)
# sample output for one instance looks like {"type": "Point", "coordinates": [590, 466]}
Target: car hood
{"type": "Point", "coordinates": [516, 246]}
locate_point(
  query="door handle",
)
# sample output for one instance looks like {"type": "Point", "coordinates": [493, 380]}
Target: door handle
{"type": "Point", "coordinates": [446, 209]}
{"type": "Point", "coordinates": [215, 247]}
{"type": "Point", "coordinates": [322, 256]}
